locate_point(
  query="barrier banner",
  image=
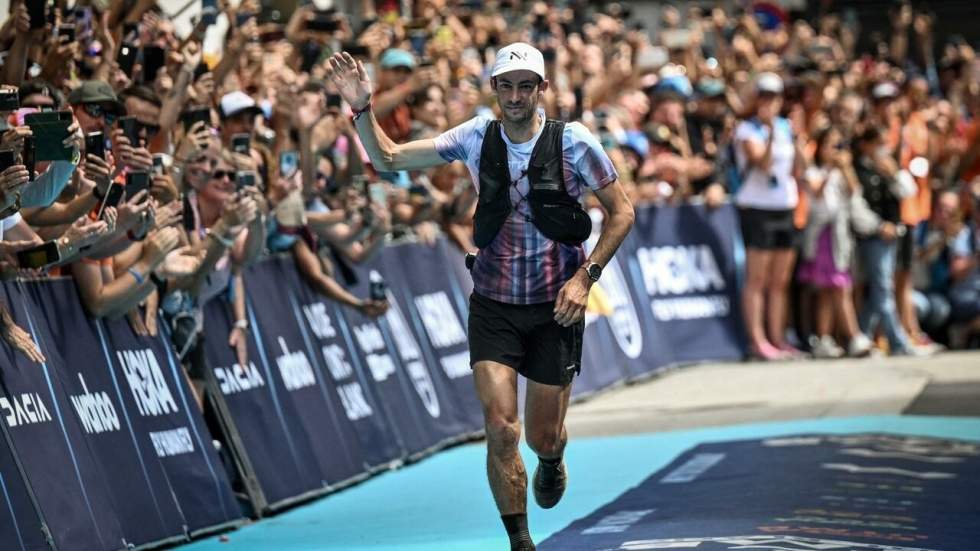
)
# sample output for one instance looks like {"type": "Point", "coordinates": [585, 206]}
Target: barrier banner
{"type": "Point", "coordinates": [300, 401]}
{"type": "Point", "coordinates": [20, 526]}
{"type": "Point", "coordinates": [123, 451]}
{"type": "Point", "coordinates": [366, 430]}
{"type": "Point", "coordinates": [71, 486]}
{"type": "Point", "coordinates": [160, 406]}
{"type": "Point", "coordinates": [417, 404]}
{"type": "Point", "coordinates": [433, 301]}
{"type": "Point", "coordinates": [682, 264]}
{"type": "Point", "coordinates": [797, 492]}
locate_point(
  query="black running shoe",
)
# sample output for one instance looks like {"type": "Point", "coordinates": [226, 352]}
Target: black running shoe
{"type": "Point", "coordinates": [549, 484]}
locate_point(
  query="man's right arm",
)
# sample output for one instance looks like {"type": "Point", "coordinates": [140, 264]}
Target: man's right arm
{"type": "Point", "coordinates": [388, 156]}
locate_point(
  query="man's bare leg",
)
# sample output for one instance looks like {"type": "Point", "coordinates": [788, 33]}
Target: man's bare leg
{"type": "Point", "coordinates": [496, 385]}
{"type": "Point", "coordinates": [544, 417]}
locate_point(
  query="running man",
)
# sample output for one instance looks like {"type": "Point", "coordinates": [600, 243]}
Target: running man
{"type": "Point", "coordinates": [531, 276]}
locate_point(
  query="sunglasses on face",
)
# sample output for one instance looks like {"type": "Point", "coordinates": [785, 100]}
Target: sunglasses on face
{"type": "Point", "coordinates": [97, 111]}
{"type": "Point", "coordinates": [222, 174]}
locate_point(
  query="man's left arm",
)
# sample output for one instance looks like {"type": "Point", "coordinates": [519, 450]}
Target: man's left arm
{"type": "Point", "coordinates": [571, 301]}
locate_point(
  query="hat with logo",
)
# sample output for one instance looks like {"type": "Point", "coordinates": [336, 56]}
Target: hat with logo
{"type": "Point", "coordinates": [396, 57]}
{"type": "Point", "coordinates": [519, 56]}
{"type": "Point", "coordinates": [234, 103]}
{"type": "Point", "coordinates": [96, 91]}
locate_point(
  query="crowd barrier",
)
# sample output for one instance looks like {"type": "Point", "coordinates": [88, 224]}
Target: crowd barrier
{"type": "Point", "coordinates": [104, 447]}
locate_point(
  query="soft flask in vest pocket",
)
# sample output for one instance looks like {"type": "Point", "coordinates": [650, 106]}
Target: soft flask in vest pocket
{"type": "Point", "coordinates": [562, 222]}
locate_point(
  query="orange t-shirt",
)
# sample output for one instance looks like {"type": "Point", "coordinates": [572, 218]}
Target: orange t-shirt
{"type": "Point", "coordinates": [972, 135]}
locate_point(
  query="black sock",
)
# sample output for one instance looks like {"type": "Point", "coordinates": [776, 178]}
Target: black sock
{"type": "Point", "coordinates": [516, 526]}
{"type": "Point", "coordinates": [550, 462]}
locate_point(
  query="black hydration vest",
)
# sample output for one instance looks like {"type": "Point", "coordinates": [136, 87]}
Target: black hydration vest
{"type": "Point", "coordinates": [554, 212]}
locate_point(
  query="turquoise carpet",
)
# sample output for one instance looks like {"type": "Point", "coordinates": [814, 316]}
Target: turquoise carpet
{"type": "Point", "coordinates": [444, 501]}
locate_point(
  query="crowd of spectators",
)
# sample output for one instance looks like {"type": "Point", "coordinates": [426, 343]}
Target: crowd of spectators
{"type": "Point", "coordinates": [856, 173]}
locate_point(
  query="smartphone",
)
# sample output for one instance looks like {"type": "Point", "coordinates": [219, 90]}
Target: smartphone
{"type": "Point", "coordinates": [200, 70]}
{"type": "Point", "coordinates": [127, 58]}
{"type": "Point", "coordinates": [40, 256]}
{"type": "Point", "coordinates": [288, 163]}
{"type": "Point", "coordinates": [28, 154]}
{"type": "Point", "coordinates": [378, 193]}
{"type": "Point", "coordinates": [325, 23]}
{"type": "Point", "coordinates": [67, 31]}
{"type": "Point", "coordinates": [137, 181]}
{"type": "Point", "coordinates": [95, 144]}
{"type": "Point", "coordinates": [9, 100]}
{"type": "Point", "coordinates": [243, 179]}
{"type": "Point", "coordinates": [130, 127]}
{"type": "Point", "coordinates": [209, 12]}
{"type": "Point", "coordinates": [37, 11]}
{"type": "Point", "coordinates": [333, 101]}
{"type": "Point", "coordinates": [153, 60]}
{"type": "Point", "coordinates": [7, 159]}
{"type": "Point", "coordinates": [418, 39]}
{"type": "Point", "coordinates": [113, 196]}
{"type": "Point", "coordinates": [198, 114]}
{"type": "Point", "coordinates": [157, 164]}
{"type": "Point", "coordinates": [240, 143]}
{"type": "Point", "coordinates": [130, 28]}
{"type": "Point", "coordinates": [356, 50]}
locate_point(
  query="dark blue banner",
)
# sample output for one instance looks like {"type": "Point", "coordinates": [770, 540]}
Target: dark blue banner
{"type": "Point", "coordinates": [111, 442]}
{"type": "Point", "coordinates": [805, 492]}
{"type": "Point", "coordinates": [681, 261]}
{"type": "Point", "coordinates": [433, 301]}
{"type": "Point", "coordinates": [301, 402]}
{"type": "Point", "coordinates": [419, 405]}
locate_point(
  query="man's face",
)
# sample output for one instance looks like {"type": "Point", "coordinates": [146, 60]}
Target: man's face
{"type": "Point", "coordinates": [947, 207]}
{"type": "Point", "coordinates": [389, 78]}
{"type": "Point", "coordinates": [147, 114]}
{"type": "Point", "coordinates": [92, 117]}
{"type": "Point", "coordinates": [849, 112]}
{"type": "Point", "coordinates": [670, 113]}
{"type": "Point", "coordinates": [240, 123]}
{"type": "Point", "coordinates": [518, 93]}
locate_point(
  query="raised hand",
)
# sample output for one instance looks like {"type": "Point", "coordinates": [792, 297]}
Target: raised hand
{"type": "Point", "coordinates": [351, 80]}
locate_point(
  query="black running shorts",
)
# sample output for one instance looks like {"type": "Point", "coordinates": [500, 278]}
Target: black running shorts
{"type": "Point", "coordinates": [526, 338]}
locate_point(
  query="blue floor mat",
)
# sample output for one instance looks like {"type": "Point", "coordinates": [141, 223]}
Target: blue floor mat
{"type": "Point", "coordinates": [444, 501]}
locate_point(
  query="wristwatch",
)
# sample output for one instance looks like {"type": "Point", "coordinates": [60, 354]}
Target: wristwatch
{"type": "Point", "coordinates": [594, 270]}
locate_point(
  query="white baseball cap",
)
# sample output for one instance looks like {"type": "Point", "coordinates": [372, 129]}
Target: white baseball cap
{"type": "Point", "coordinates": [519, 56]}
{"type": "Point", "coordinates": [236, 102]}
{"type": "Point", "coordinates": [769, 82]}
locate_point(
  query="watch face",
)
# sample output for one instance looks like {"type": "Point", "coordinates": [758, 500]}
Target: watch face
{"type": "Point", "coordinates": [594, 272]}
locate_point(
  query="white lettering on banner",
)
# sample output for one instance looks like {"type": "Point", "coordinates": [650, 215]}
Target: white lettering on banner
{"type": "Point", "coordinates": [858, 469]}
{"type": "Point", "coordinates": [679, 270]}
{"type": "Point", "coordinates": [145, 378]}
{"type": "Point", "coordinates": [440, 320]}
{"type": "Point", "coordinates": [381, 366]}
{"type": "Point", "coordinates": [689, 308]}
{"type": "Point", "coordinates": [456, 365]}
{"type": "Point", "coordinates": [369, 338]}
{"type": "Point", "coordinates": [337, 364]}
{"type": "Point", "coordinates": [408, 350]}
{"type": "Point", "coordinates": [771, 542]}
{"type": "Point", "coordinates": [617, 522]}
{"type": "Point", "coordinates": [319, 320]}
{"type": "Point", "coordinates": [693, 468]}
{"type": "Point", "coordinates": [24, 409]}
{"type": "Point", "coordinates": [95, 410]}
{"type": "Point", "coordinates": [172, 442]}
{"type": "Point", "coordinates": [295, 368]}
{"type": "Point", "coordinates": [624, 321]}
{"type": "Point", "coordinates": [235, 379]}
{"type": "Point", "coordinates": [355, 405]}
{"type": "Point", "coordinates": [424, 387]}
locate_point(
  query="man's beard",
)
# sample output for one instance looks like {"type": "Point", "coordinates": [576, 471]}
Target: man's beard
{"type": "Point", "coordinates": [523, 115]}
